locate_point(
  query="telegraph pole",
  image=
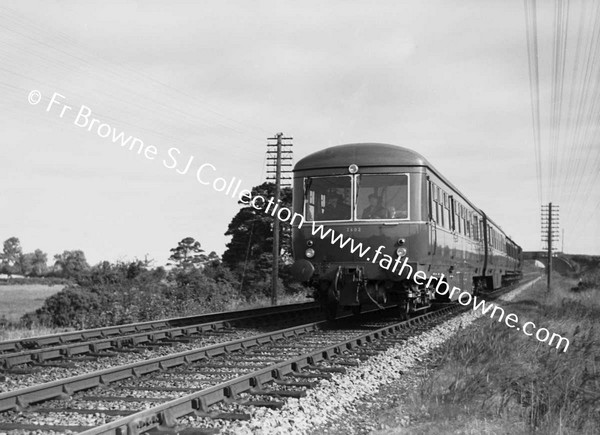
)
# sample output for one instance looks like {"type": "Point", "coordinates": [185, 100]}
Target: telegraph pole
{"type": "Point", "coordinates": [549, 235]}
{"type": "Point", "coordinates": [278, 169]}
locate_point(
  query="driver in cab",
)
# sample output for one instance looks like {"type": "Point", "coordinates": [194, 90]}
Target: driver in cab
{"type": "Point", "coordinates": [375, 210]}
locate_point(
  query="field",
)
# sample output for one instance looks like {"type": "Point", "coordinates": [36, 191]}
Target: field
{"type": "Point", "coordinates": [16, 300]}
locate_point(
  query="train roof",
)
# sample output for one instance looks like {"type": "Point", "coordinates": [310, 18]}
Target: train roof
{"type": "Point", "coordinates": [368, 154]}
{"type": "Point", "coordinates": [374, 154]}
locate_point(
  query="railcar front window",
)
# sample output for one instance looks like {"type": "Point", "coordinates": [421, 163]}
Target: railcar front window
{"type": "Point", "coordinates": [328, 198]}
{"type": "Point", "coordinates": [382, 197]}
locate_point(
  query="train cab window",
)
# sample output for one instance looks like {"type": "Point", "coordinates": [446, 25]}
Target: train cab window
{"type": "Point", "coordinates": [382, 196]}
{"type": "Point", "coordinates": [328, 198]}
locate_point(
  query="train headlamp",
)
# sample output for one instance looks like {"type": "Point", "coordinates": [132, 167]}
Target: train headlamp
{"type": "Point", "coordinates": [353, 169]}
{"type": "Point", "coordinates": [309, 253]}
{"type": "Point", "coordinates": [309, 243]}
{"type": "Point", "coordinates": [401, 242]}
{"type": "Point", "coordinates": [401, 252]}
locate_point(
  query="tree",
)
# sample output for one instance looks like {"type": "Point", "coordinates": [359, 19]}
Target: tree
{"type": "Point", "coordinates": [188, 253]}
{"type": "Point", "coordinates": [250, 252]}
{"type": "Point", "coordinates": [211, 259]}
{"type": "Point", "coordinates": [71, 263]}
{"type": "Point", "coordinates": [34, 264]}
{"type": "Point", "coordinates": [11, 256]}
{"type": "Point", "coordinates": [252, 229]}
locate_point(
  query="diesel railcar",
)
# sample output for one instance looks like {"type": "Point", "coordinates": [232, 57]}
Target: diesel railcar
{"type": "Point", "coordinates": [392, 200]}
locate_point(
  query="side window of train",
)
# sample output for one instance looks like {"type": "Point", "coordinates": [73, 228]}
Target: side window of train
{"type": "Point", "coordinates": [445, 212]}
{"type": "Point", "coordinates": [436, 213]}
{"type": "Point", "coordinates": [440, 206]}
{"type": "Point", "coordinates": [436, 203]}
{"type": "Point", "coordinates": [471, 227]}
{"type": "Point", "coordinates": [468, 222]}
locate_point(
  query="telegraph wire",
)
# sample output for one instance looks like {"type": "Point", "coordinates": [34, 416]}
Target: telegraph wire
{"type": "Point", "coordinates": [532, 55]}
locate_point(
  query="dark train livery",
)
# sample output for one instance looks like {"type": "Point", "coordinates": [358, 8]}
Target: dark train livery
{"type": "Point", "coordinates": [391, 197]}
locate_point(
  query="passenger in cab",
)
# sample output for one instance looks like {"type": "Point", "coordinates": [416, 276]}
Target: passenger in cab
{"type": "Point", "coordinates": [335, 209]}
{"type": "Point", "coordinates": [374, 210]}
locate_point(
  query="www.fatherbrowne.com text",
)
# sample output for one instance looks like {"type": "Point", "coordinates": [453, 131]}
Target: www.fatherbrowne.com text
{"type": "Point", "coordinates": [84, 119]}
{"type": "Point", "coordinates": [401, 266]}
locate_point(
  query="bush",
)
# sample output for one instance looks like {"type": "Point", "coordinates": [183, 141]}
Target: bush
{"type": "Point", "coordinates": [112, 294]}
{"type": "Point", "coordinates": [71, 306]}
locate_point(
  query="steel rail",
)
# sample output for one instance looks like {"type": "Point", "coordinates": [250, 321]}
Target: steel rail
{"type": "Point", "coordinates": [19, 399]}
{"type": "Point", "coordinates": [160, 332]}
{"type": "Point", "coordinates": [164, 416]}
{"type": "Point", "coordinates": [132, 328]}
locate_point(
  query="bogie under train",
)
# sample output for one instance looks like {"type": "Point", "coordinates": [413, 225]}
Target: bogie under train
{"type": "Point", "coordinates": [412, 219]}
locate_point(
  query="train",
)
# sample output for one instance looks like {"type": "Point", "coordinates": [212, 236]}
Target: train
{"type": "Point", "coordinates": [391, 202]}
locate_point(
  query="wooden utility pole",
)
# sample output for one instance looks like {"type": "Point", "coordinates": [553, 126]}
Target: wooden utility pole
{"type": "Point", "coordinates": [278, 152]}
{"type": "Point", "coordinates": [549, 235]}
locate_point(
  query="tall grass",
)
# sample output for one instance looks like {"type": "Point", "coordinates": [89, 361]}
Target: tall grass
{"type": "Point", "coordinates": [490, 371]}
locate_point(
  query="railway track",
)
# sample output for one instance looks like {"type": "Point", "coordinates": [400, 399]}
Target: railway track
{"type": "Point", "coordinates": [57, 349]}
{"type": "Point", "coordinates": [211, 383]}
{"type": "Point", "coordinates": [196, 380]}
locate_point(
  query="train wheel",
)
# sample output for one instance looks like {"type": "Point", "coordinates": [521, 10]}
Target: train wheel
{"type": "Point", "coordinates": [331, 310]}
{"type": "Point", "coordinates": [331, 303]}
{"type": "Point", "coordinates": [404, 310]}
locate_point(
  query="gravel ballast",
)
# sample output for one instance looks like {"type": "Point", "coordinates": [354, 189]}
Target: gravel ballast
{"type": "Point", "coordinates": [340, 396]}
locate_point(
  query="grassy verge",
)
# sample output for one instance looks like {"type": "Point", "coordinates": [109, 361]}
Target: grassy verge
{"type": "Point", "coordinates": [493, 379]}
{"type": "Point", "coordinates": [14, 332]}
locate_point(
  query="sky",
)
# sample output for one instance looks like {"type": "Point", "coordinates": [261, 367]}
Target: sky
{"type": "Point", "coordinates": [210, 81]}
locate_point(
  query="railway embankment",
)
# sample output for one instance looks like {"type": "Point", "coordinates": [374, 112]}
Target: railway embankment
{"type": "Point", "coordinates": [489, 379]}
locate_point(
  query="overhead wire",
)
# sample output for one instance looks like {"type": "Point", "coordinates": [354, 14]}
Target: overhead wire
{"type": "Point", "coordinates": [74, 44]}
{"type": "Point", "coordinates": [168, 111]}
{"type": "Point", "coordinates": [568, 158]}
{"type": "Point", "coordinates": [532, 55]}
